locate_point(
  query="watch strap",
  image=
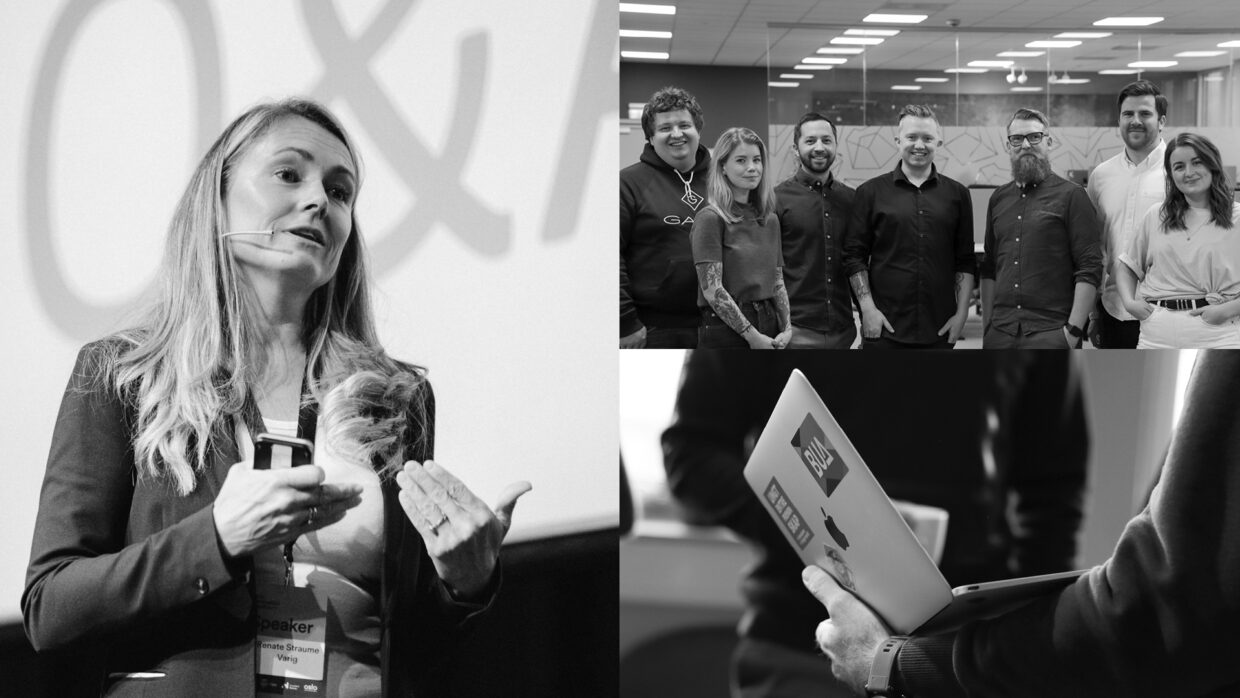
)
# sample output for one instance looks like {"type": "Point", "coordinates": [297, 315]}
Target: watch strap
{"type": "Point", "coordinates": [883, 666]}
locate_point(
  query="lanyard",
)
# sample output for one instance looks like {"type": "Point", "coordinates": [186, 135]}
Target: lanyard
{"type": "Point", "coordinates": [307, 426]}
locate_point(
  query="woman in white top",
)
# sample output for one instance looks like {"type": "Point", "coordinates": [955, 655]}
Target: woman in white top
{"type": "Point", "coordinates": [1180, 275]}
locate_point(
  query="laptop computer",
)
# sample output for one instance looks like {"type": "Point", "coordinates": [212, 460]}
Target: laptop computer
{"type": "Point", "coordinates": [828, 504]}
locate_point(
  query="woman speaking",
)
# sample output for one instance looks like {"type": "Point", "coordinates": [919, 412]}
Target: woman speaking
{"type": "Point", "coordinates": [163, 557]}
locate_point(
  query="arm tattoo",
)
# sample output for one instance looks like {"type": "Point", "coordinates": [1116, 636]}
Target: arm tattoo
{"type": "Point", "coordinates": [959, 282]}
{"type": "Point", "coordinates": [860, 284]}
{"type": "Point", "coordinates": [781, 300]}
{"type": "Point", "coordinates": [710, 277]}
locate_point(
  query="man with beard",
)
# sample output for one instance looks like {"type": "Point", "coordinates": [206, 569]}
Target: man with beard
{"type": "Point", "coordinates": [1123, 188]}
{"type": "Point", "coordinates": [1042, 265]}
{"type": "Point", "coordinates": [813, 209]}
{"type": "Point", "coordinates": [659, 196]}
{"type": "Point", "coordinates": [908, 250]}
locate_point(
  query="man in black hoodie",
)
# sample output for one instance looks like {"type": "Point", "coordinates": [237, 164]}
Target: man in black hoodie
{"type": "Point", "coordinates": [659, 197]}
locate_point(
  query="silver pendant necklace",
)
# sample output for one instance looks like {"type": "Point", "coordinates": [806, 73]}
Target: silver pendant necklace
{"type": "Point", "coordinates": [691, 199]}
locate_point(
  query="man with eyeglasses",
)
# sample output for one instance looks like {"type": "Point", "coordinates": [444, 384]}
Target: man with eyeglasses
{"type": "Point", "coordinates": [908, 248]}
{"type": "Point", "coordinates": [1123, 188]}
{"type": "Point", "coordinates": [1042, 265]}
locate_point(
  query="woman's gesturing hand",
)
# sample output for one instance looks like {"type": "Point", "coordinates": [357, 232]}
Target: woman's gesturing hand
{"type": "Point", "coordinates": [259, 508]}
{"type": "Point", "coordinates": [462, 534]}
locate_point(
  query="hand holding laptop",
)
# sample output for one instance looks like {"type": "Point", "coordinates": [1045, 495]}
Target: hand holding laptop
{"type": "Point", "coordinates": [853, 633]}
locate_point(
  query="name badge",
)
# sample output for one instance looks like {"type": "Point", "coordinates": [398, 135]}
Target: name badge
{"type": "Point", "coordinates": [291, 641]}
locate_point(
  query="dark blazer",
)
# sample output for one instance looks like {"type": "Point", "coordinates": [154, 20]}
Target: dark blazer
{"type": "Point", "coordinates": [128, 576]}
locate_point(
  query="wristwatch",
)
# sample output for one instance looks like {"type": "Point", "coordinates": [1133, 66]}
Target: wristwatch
{"type": "Point", "coordinates": [1078, 332]}
{"type": "Point", "coordinates": [879, 683]}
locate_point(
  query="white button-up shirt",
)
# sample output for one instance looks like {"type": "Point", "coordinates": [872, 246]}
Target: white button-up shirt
{"type": "Point", "coordinates": [1122, 192]}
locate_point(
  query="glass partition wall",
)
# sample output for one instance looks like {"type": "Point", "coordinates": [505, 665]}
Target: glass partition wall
{"type": "Point", "coordinates": [975, 78]}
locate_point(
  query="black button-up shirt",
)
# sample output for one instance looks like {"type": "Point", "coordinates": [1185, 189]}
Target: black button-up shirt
{"type": "Point", "coordinates": [1041, 240]}
{"type": "Point", "coordinates": [913, 241]}
{"type": "Point", "coordinates": [812, 217]}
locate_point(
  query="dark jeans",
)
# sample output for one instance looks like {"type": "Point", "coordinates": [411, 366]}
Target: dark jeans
{"type": "Point", "coordinates": [671, 338]}
{"type": "Point", "coordinates": [715, 333]}
{"type": "Point", "coordinates": [1116, 334]}
{"type": "Point", "coordinates": [804, 338]}
{"type": "Point", "coordinates": [1048, 339]}
{"type": "Point", "coordinates": [887, 343]}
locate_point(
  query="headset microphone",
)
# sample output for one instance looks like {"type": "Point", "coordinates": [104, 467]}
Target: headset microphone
{"type": "Point", "coordinates": [248, 232]}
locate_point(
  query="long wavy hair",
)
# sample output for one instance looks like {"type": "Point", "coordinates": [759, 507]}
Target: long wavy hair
{"type": "Point", "coordinates": [719, 191]}
{"type": "Point", "coordinates": [189, 362]}
{"type": "Point", "coordinates": [1175, 205]}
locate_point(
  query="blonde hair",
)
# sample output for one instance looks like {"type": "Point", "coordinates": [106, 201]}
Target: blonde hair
{"type": "Point", "coordinates": [188, 364]}
{"type": "Point", "coordinates": [719, 191]}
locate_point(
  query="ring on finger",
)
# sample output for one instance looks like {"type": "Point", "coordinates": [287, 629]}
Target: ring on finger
{"type": "Point", "coordinates": [442, 520]}
{"type": "Point", "coordinates": [312, 515]}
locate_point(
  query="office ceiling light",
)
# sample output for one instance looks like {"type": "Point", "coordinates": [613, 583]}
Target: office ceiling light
{"type": "Point", "coordinates": [803, 66]}
{"type": "Point", "coordinates": [1230, 44]}
{"type": "Point", "coordinates": [881, 18]}
{"type": "Point", "coordinates": [907, 88]}
{"type": "Point", "coordinates": [644, 34]}
{"type": "Point", "coordinates": [778, 83]}
{"type": "Point", "coordinates": [857, 40]}
{"type": "Point", "coordinates": [796, 76]}
{"type": "Point", "coordinates": [990, 64]}
{"type": "Point", "coordinates": [965, 70]}
{"type": "Point", "coordinates": [635, 109]}
{"type": "Point", "coordinates": [1023, 78]}
{"type": "Point", "coordinates": [930, 79]}
{"type": "Point", "coordinates": [1056, 43]}
{"type": "Point", "coordinates": [1152, 64]}
{"type": "Point", "coordinates": [1020, 54]}
{"type": "Point", "coordinates": [647, 9]}
{"type": "Point", "coordinates": [871, 32]}
{"type": "Point", "coordinates": [1118, 71]}
{"type": "Point", "coordinates": [1214, 77]}
{"type": "Point", "coordinates": [824, 60]}
{"type": "Point", "coordinates": [1069, 80]}
{"type": "Point", "coordinates": [1199, 54]}
{"type": "Point", "coordinates": [841, 50]}
{"type": "Point", "coordinates": [1025, 89]}
{"type": "Point", "coordinates": [1127, 21]}
{"type": "Point", "coordinates": [1083, 35]}
{"type": "Point", "coordinates": [652, 55]}
{"type": "Point", "coordinates": [1011, 77]}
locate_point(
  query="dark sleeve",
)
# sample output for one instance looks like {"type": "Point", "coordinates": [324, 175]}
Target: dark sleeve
{"type": "Point", "coordinates": [628, 313]}
{"type": "Point", "coordinates": [775, 225]}
{"type": "Point", "coordinates": [966, 260]}
{"type": "Point", "coordinates": [457, 611]}
{"type": "Point", "coordinates": [1049, 450]}
{"type": "Point", "coordinates": [1084, 235]}
{"type": "Point", "coordinates": [859, 236]}
{"type": "Point", "coordinates": [1159, 617]}
{"type": "Point", "coordinates": [704, 448]}
{"type": "Point", "coordinates": [85, 580]}
{"type": "Point", "coordinates": [987, 269]}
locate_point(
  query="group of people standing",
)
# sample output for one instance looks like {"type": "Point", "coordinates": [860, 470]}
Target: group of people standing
{"type": "Point", "coordinates": [713, 255]}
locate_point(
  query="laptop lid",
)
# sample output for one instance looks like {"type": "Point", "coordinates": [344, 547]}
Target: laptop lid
{"type": "Point", "coordinates": [833, 512]}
